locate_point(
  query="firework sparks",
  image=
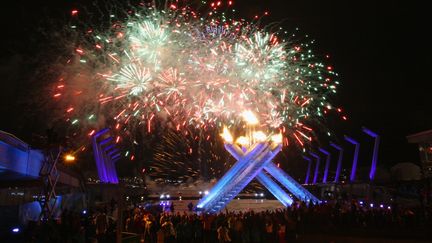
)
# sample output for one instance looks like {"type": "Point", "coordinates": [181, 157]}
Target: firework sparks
{"type": "Point", "coordinates": [174, 66]}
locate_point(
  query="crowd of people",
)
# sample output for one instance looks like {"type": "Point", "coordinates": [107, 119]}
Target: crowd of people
{"type": "Point", "coordinates": [274, 226]}
{"type": "Point", "coordinates": [279, 226]}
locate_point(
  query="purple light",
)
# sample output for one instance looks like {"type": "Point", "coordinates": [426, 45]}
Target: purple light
{"type": "Point", "coordinates": [308, 169]}
{"type": "Point", "coordinates": [104, 161]}
{"type": "Point", "coordinates": [339, 164]}
{"type": "Point", "coordinates": [327, 165]}
{"type": "Point", "coordinates": [370, 133]}
{"type": "Point", "coordinates": [356, 153]}
{"type": "Point", "coordinates": [15, 230]}
{"type": "Point", "coordinates": [316, 166]}
{"type": "Point", "coordinates": [375, 152]}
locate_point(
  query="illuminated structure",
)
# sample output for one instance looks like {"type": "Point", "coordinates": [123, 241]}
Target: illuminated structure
{"type": "Point", "coordinates": [318, 160]}
{"type": "Point", "coordinates": [20, 163]}
{"type": "Point", "coordinates": [339, 164]}
{"type": "Point", "coordinates": [255, 155]}
{"type": "Point", "coordinates": [424, 141]}
{"type": "Point", "coordinates": [105, 154]}
{"type": "Point", "coordinates": [355, 159]}
{"type": "Point", "coordinates": [375, 152]}
{"type": "Point", "coordinates": [327, 164]}
{"type": "Point", "coordinates": [308, 169]}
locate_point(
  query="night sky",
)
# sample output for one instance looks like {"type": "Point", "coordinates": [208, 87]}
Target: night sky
{"type": "Point", "coordinates": [381, 50]}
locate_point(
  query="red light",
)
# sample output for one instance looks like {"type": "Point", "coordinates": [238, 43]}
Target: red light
{"type": "Point", "coordinates": [74, 12]}
{"type": "Point", "coordinates": [79, 51]}
{"type": "Point", "coordinates": [173, 6]}
{"type": "Point", "coordinates": [345, 118]}
{"type": "Point", "coordinates": [329, 68]}
{"type": "Point", "coordinates": [70, 109]}
{"type": "Point", "coordinates": [229, 2]}
{"type": "Point", "coordinates": [133, 157]}
{"type": "Point", "coordinates": [91, 133]}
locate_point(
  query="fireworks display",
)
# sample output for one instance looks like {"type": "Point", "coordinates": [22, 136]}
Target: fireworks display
{"type": "Point", "coordinates": [185, 157]}
{"type": "Point", "coordinates": [183, 69]}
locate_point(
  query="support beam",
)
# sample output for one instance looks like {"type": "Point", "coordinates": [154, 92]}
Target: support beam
{"type": "Point", "coordinates": [292, 185]}
{"type": "Point", "coordinates": [318, 160]}
{"type": "Point", "coordinates": [339, 164]}
{"type": "Point", "coordinates": [355, 159]}
{"type": "Point", "coordinates": [278, 174]}
{"type": "Point", "coordinates": [308, 169]}
{"type": "Point", "coordinates": [105, 153]}
{"type": "Point", "coordinates": [327, 165]}
{"type": "Point", "coordinates": [274, 189]}
{"type": "Point", "coordinates": [375, 152]}
{"type": "Point", "coordinates": [235, 170]}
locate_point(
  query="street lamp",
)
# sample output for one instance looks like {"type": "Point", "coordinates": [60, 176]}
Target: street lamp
{"type": "Point", "coordinates": [69, 158]}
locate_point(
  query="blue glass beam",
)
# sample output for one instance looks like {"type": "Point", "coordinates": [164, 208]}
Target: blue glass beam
{"type": "Point", "coordinates": [355, 159]}
{"type": "Point", "coordinates": [240, 165]}
{"type": "Point", "coordinates": [287, 181]}
{"type": "Point", "coordinates": [241, 181]}
{"type": "Point", "coordinates": [327, 165]}
{"type": "Point", "coordinates": [218, 196]}
{"type": "Point", "coordinates": [375, 152]}
{"type": "Point", "coordinates": [339, 164]}
{"type": "Point", "coordinates": [274, 189]}
{"type": "Point", "coordinates": [316, 166]}
{"type": "Point", "coordinates": [292, 185]}
{"type": "Point", "coordinates": [308, 169]}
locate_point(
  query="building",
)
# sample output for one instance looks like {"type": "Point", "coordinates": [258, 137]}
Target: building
{"type": "Point", "coordinates": [424, 141]}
